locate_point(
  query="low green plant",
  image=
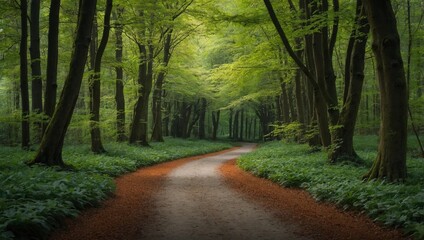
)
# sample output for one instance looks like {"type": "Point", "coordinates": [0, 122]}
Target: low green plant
{"type": "Point", "coordinates": [293, 165]}
{"type": "Point", "coordinates": [34, 200]}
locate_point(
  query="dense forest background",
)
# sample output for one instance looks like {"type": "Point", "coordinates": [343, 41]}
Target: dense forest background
{"type": "Point", "coordinates": [204, 69]}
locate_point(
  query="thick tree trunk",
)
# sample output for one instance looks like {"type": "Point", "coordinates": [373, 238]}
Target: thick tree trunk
{"type": "Point", "coordinates": [94, 83]}
{"type": "Point", "coordinates": [390, 163]}
{"type": "Point", "coordinates": [36, 82]}
{"type": "Point", "coordinates": [52, 58]}
{"type": "Point", "coordinates": [236, 125]}
{"type": "Point", "coordinates": [50, 151]}
{"type": "Point", "coordinates": [119, 93]}
{"type": "Point", "coordinates": [25, 141]}
{"type": "Point", "coordinates": [342, 147]}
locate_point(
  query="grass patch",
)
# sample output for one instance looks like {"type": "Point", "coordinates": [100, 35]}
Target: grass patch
{"type": "Point", "coordinates": [35, 200]}
{"type": "Point", "coordinates": [293, 165]}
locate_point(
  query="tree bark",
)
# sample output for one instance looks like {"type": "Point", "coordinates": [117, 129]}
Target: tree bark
{"type": "Point", "coordinates": [52, 58]}
{"type": "Point", "coordinates": [390, 163]}
{"type": "Point", "coordinates": [202, 128]}
{"type": "Point", "coordinates": [139, 116]}
{"type": "Point", "coordinates": [50, 150]}
{"type": "Point", "coordinates": [94, 83]}
{"type": "Point", "coordinates": [36, 81]}
{"type": "Point", "coordinates": [215, 123]}
{"type": "Point", "coordinates": [119, 84]}
{"type": "Point", "coordinates": [157, 92]}
{"type": "Point", "coordinates": [342, 147]}
{"type": "Point", "coordinates": [25, 141]}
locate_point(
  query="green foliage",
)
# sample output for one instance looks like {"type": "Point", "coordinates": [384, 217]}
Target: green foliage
{"type": "Point", "coordinates": [35, 200]}
{"type": "Point", "coordinates": [293, 131]}
{"type": "Point", "coordinates": [397, 205]}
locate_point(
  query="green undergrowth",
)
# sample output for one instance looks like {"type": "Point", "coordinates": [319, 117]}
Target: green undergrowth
{"type": "Point", "coordinates": [35, 200]}
{"type": "Point", "coordinates": [293, 165]}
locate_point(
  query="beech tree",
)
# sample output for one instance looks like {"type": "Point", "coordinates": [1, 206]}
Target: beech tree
{"type": "Point", "coordinates": [36, 80]}
{"type": "Point", "coordinates": [390, 163]}
{"type": "Point", "coordinates": [94, 79]}
{"type": "Point", "coordinates": [24, 75]}
{"type": "Point", "coordinates": [52, 59]}
{"type": "Point", "coordinates": [50, 150]}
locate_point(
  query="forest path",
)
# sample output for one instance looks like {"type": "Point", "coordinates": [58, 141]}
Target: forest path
{"type": "Point", "coordinates": [195, 203]}
{"type": "Point", "coordinates": [211, 198]}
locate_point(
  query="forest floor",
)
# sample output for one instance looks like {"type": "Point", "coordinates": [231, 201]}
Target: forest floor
{"type": "Point", "coordinates": [209, 197]}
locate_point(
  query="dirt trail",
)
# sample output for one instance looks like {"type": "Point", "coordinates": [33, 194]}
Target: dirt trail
{"type": "Point", "coordinates": [211, 198]}
{"type": "Point", "coordinates": [195, 203]}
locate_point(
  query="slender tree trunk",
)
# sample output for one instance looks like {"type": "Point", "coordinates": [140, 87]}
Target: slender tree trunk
{"type": "Point", "coordinates": [25, 141]}
{"type": "Point", "coordinates": [138, 116]}
{"type": "Point", "coordinates": [215, 123]}
{"type": "Point", "coordinates": [390, 163]}
{"type": "Point", "coordinates": [50, 150]}
{"type": "Point", "coordinates": [36, 82]}
{"type": "Point", "coordinates": [119, 84]}
{"type": "Point", "coordinates": [52, 59]}
{"type": "Point", "coordinates": [157, 92]}
{"type": "Point", "coordinates": [230, 124]}
{"type": "Point", "coordinates": [343, 144]}
{"type": "Point", "coordinates": [202, 128]}
{"type": "Point", "coordinates": [236, 125]}
{"type": "Point", "coordinates": [285, 101]}
{"type": "Point", "coordinates": [241, 125]}
{"type": "Point", "coordinates": [96, 141]}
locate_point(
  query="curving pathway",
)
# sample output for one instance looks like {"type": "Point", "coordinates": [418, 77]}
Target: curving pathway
{"type": "Point", "coordinates": [195, 203]}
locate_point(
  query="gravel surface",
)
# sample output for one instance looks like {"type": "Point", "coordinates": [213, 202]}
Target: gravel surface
{"type": "Point", "coordinates": [208, 197]}
{"type": "Point", "coordinates": [195, 203]}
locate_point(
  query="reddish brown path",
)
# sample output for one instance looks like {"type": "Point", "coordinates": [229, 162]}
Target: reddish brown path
{"type": "Point", "coordinates": [146, 206]}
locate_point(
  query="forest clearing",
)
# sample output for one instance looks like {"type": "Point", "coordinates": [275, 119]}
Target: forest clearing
{"type": "Point", "coordinates": [323, 98]}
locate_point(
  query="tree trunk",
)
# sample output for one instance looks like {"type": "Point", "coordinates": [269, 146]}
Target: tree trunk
{"type": "Point", "coordinates": [25, 141]}
{"type": "Point", "coordinates": [215, 123]}
{"type": "Point", "coordinates": [236, 125]}
{"type": "Point", "coordinates": [241, 125]}
{"type": "Point", "coordinates": [202, 128]}
{"type": "Point", "coordinates": [52, 58]}
{"type": "Point", "coordinates": [230, 124]}
{"type": "Point", "coordinates": [94, 84]}
{"type": "Point", "coordinates": [119, 93]}
{"type": "Point", "coordinates": [342, 147]}
{"type": "Point", "coordinates": [390, 163]}
{"type": "Point", "coordinates": [50, 150]}
{"type": "Point", "coordinates": [36, 82]}
{"type": "Point", "coordinates": [139, 117]}
{"type": "Point", "coordinates": [157, 93]}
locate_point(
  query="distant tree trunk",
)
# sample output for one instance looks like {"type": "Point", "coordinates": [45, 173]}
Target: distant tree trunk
{"type": "Point", "coordinates": [236, 125]}
{"type": "Point", "coordinates": [230, 124]}
{"type": "Point", "coordinates": [52, 59]}
{"type": "Point", "coordinates": [157, 92]}
{"type": "Point", "coordinates": [24, 76]}
{"type": "Point", "coordinates": [343, 144]}
{"type": "Point", "coordinates": [215, 123]}
{"type": "Point", "coordinates": [36, 82]}
{"type": "Point", "coordinates": [50, 150]}
{"type": "Point", "coordinates": [241, 125]}
{"type": "Point", "coordinates": [202, 128]}
{"type": "Point", "coordinates": [119, 93]}
{"type": "Point", "coordinates": [94, 83]}
{"type": "Point", "coordinates": [390, 163]}
{"type": "Point", "coordinates": [285, 101]}
{"type": "Point", "coordinates": [194, 119]}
